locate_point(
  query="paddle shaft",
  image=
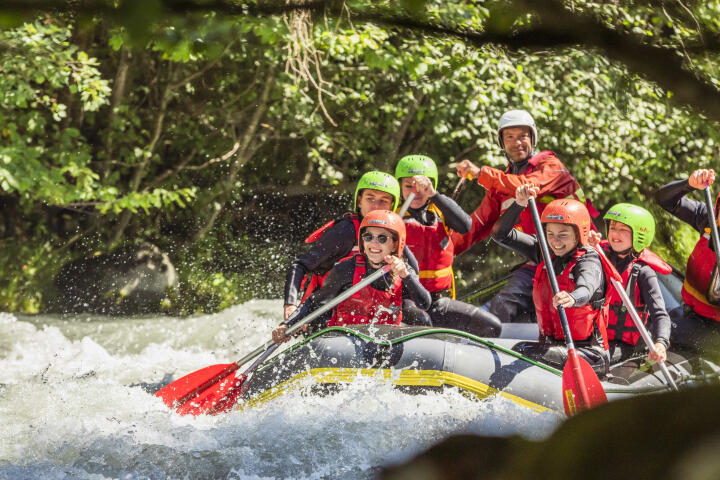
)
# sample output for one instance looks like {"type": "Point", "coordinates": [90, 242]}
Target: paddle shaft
{"type": "Point", "coordinates": [713, 225]}
{"type": "Point", "coordinates": [406, 204]}
{"type": "Point", "coordinates": [572, 354]}
{"type": "Point", "coordinates": [312, 316]}
{"type": "Point", "coordinates": [641, 328]}
{"type": "Point", "coordinates": [458, 189]}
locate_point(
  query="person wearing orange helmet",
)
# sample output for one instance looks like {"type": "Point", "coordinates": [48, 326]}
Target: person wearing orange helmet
{"type": "Point", "coordinates": [517, 136]}
{"type": "Point", "coordinates": [580, 273]}
{"type": "Point", "coordinates": [337, 239]}
{"type": "Point", "coordinates": [699, 327]}
{"type": "Point", "coordinates": [381, 240]}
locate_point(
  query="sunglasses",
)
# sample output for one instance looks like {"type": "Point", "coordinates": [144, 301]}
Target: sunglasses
{"type": "Point", "coordinates": [369, 237]}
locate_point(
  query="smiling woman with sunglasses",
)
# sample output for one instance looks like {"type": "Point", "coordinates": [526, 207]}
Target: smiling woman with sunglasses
{"type": "Point", "coordinates": [337, 239]}
{"type": "Point", "coordinates": [381, 237]}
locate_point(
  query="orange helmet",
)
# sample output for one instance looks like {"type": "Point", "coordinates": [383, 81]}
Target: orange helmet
{"type": "Point", "coordinates": [384, 219]}
{"type": "Point", "coordinates": [569, 212]}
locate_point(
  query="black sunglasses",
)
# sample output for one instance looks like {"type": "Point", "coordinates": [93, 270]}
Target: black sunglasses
{"type": "Point", "coordinates": [369, 237]}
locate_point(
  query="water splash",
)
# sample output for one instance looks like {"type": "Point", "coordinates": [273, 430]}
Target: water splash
{"type": "Point", "coordinates": [76, 402]}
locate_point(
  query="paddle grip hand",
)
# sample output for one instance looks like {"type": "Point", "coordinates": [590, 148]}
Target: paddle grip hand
{"type": "Point", "coordinates": [467, 169]}
{"type": "Point", "coordinates": [563, 299]}
{"type": "Point", "coordinates": [423, 185]}
{"type": "Point", "coordinates": [658, 353]}
{"type": "Point", "coordinates": [701, 178]}
{"type": "Point", "coordinates": [525, 192]}
{"type": "Point", "coordinates": [594, 239]}
{"type": "Point", "coordinates": [397, 266]}
{"type": "Point", "coordinates": [278, 335]}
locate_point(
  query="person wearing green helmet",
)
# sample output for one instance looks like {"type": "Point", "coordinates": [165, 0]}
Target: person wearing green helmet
{"type": "Point", "coordinates": [337, 239]}
{"type": "Point", "coordinates": [630, 230]}
{"type": "Point", "coordinates": [429, 220]}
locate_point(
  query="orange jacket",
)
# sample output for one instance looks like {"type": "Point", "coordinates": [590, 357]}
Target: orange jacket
{"type": "Point", "coordinates": [544, 170]}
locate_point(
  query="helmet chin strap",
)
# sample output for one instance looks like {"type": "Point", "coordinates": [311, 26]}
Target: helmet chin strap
{"type": "Point", "coordinates": [375, 265]}
{"type": "Point", "coordinates": [625, 252]}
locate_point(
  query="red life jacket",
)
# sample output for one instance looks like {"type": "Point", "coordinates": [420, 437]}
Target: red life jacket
{"type": "Point", "coordinates": [620, 324]}
{"type": "Point", "coordinates": [581, 320]}
{"type": "Point", "coordinates": [701, 267]}
{"type": "Point", "coordinates": [369, 305]}
{"type": "Point", "coordinates": [314, 281]}
{"type": "Point", "coordinates": [434, 251]}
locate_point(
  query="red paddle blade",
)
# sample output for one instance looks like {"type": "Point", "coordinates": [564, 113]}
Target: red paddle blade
{"type": "Point", "coordinates": [218, 398]}
{"type": "Point", "coordinates": [581, 386]}
{"type": "Point", "coordinates": [185, 388]}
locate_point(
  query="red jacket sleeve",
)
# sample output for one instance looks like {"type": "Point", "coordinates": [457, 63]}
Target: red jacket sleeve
{"type": "Point", "coordinates": [549, 174]}
{"type": "Point", "coordinates": [483, 219]}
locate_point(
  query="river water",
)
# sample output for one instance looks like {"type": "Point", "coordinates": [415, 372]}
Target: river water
{"type": "Point", "coordinates": [76, 402]}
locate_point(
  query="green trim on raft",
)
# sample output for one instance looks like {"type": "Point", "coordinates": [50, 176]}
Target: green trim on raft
{"type": "Point", "coordinates": [421, 333]}
{"type": "Point", "coordinates": [487, 343]}
{"type": "Point", "coordinates": [483, 291]}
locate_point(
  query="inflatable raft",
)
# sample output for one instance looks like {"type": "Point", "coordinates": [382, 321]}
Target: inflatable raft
{"type": "Point", "coordinates": [424, 358]}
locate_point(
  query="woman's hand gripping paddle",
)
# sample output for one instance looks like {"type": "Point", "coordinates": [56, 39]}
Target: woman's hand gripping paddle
{"type": "Point", "coordinates": [643, 331]}
{"type": "Point", "coordinates": [581, 386]}
{"type": "Point", "coordinates": [217, 388]}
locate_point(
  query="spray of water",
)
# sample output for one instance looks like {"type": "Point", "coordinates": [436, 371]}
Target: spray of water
{"type": "Point", "coordinates": [76, 401]}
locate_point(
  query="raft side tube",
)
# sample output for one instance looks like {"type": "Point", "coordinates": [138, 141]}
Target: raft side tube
{"type": "Point", "coordinates": [423, 358]}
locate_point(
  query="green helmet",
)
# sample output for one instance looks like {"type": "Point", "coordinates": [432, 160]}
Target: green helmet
{"type": "Point", "coordinates": [640, 220]}
{"type": "Point", "coordinates": [378, 181]}
{"type": "Point", "coordinates": [411, 165]}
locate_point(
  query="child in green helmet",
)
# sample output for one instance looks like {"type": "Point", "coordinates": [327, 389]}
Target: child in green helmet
{"type": "Point", "coordinates": [429, 221]}
{"type": "Point", "coordinates": [337, 239]}
{"type": "Point", "coordinates": [630, 230]}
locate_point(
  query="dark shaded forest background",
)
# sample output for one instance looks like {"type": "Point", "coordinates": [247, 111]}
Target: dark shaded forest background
{"type": "Point", "coordinates": [225, 132]}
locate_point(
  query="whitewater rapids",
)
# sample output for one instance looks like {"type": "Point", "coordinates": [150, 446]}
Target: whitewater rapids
{"type": "Point", "coordinates": [76, 402]}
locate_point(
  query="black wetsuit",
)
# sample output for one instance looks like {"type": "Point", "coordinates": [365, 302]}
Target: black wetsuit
{"type": "Point", "coordinates": [514, 303]}
{"type": "Point", "coordinates": [335, 244]}
{"type": "Point", "coordinates": [341, 278]}
{"type": "Point", "coordinates": [659, 323]}
{"type": "Point", "coordinates": [692, 330]}
{"type": "Point", "coordinates": [446, 312]}
{"type": "Point", "coordinates": [590, 287]}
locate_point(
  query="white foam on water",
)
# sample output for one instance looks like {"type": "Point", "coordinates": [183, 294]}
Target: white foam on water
{"type": "Point", "coordinates": [76, 402]}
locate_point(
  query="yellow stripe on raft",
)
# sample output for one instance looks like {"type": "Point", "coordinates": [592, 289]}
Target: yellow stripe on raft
{"type": "Point", "coordinates": [419, 378]}
{"type": "Point", "coordinates": [436, 273]}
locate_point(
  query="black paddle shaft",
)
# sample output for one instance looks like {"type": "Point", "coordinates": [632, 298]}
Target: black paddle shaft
{"type": "Point", "coordinates": [551, 273]}
{"type": "Point", "coordinates": [713, 225]}
{"type": "Point", "coordinates": [458, 189]}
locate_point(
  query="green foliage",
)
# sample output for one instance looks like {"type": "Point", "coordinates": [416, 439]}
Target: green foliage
{"type": "Point", "coordinates": [164, 128]}
{"type": "Point", "coordinates": [27, 274]}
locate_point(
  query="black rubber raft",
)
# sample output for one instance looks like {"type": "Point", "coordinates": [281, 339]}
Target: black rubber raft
{"type": "Point", "coordinates": [418, 359]}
